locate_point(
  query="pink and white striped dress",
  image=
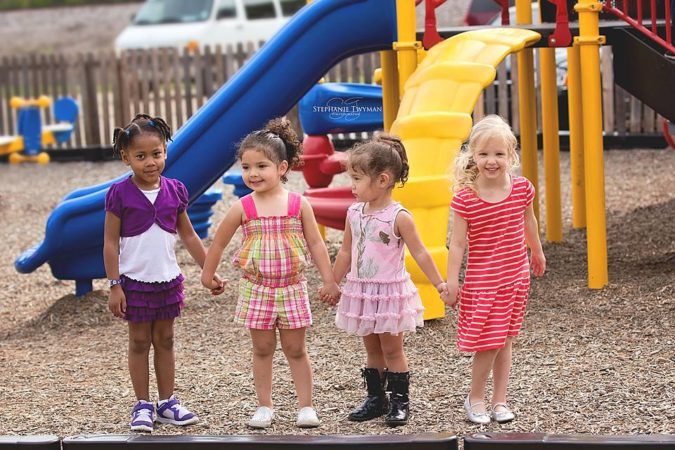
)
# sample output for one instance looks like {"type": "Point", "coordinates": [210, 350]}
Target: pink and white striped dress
{"type": "Point", "coordinates": [497, 277]}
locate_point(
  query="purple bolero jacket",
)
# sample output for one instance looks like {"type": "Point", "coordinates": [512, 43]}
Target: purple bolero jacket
{"type": "Point", "coordinates": [137, 214]}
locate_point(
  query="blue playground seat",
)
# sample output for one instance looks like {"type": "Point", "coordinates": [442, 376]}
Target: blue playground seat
{"type": "Point", "coordinates": [66, 110]}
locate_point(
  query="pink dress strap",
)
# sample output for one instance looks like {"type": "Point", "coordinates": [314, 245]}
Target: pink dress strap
{"type": "Point", "coordinates": [249, 207]}
{"type": "Point", "coordinates": [294, 203]}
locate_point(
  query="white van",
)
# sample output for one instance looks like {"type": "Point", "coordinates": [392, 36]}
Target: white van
{"type": "Point", "coordinates": [196, 23]}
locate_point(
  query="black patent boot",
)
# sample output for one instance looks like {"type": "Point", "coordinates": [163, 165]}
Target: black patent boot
{"type": "Point", "coordinates": [397, 385]}
{"type": "Point", "coordinates": [375, 404]}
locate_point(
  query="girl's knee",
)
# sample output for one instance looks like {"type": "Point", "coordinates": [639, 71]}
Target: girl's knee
{"type": "Point", "coordinates": [295, 350]}
{"type": "Point", "coordinates": [163, 341]}
{"type": "Point", "coordinates": [264, 349]}
{"type": "Point", "coordinates": [393, 353]}
{"type": "Point", "coordinates": [139, 345]}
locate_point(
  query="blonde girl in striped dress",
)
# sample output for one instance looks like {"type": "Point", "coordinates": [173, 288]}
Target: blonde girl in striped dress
{"type": "Point", "coordinates": [492, 210]}
{"type": "Point", "coordinates": [280, 240]}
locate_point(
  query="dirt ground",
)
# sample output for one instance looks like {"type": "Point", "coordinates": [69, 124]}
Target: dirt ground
{"type": "Point", "coordinates": [587, 361]}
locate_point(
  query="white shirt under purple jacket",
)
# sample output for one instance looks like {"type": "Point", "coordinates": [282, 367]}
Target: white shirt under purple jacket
{"type": "Point", "coordinates": [148, 228]}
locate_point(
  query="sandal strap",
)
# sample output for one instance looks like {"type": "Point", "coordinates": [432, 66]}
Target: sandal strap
{"type": "Point", "coordinates": [471, 406]}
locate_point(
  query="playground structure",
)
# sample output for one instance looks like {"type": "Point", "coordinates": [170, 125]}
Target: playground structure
{"type": "Point", "coordinates": [428, 97]}
{"type": "Point", "coordinates": [200, 211]}
{"type": "Point", "coordinates": [33, 136]}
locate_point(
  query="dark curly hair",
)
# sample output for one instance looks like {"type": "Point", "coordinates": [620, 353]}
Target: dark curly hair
{"type": "Point", "coordinates": [384, 153]}
{"type": "Point", "coordinates": [278, 142]}
{"type": "Point", "coordinates": [142, 123]}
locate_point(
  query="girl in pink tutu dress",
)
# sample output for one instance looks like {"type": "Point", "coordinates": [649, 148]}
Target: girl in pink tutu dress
{"type": "Point", "coordinates": [379, 301]}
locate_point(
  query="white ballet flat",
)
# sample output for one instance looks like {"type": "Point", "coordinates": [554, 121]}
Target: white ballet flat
{"type": "Point", "coordinates": [504, 414]}
{"type": "Point", "coordinates": [481, 418]}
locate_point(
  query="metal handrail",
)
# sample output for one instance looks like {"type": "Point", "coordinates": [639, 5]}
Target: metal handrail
{"type": "Point", "coordinates": [651, 30]}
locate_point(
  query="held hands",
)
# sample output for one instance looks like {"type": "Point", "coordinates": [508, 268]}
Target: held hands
{"type": "Point", "coordinates": [330, 293]}
{"type": "Point", "coordinates": [216, 284]}
{"type": "Point", "coordinates": [219, 284]}
{"type": "Point", "coordinates": [538, 263]}
{"type": "Point", "coordinates": [450, 294]}
{"type": "Point", "coordinates": [117, 301]}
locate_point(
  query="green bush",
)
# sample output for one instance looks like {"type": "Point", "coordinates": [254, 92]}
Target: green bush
{"type": "Point", "coordinates": [28, 4]}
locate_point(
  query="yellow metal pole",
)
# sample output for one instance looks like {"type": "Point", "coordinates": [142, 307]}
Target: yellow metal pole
{"type": "Point", "coordinates": [589, 40]}
{"type": "Point", "coordinates": [390, 97]}
{"type": "Point", "coordinates": [576, 137]}
{"type": "Point", "coordinates": [549, 118]}
{"type": "Point", "coordinates": [407, 45]}
{"type": "Point", "coordinates": [527, 104]}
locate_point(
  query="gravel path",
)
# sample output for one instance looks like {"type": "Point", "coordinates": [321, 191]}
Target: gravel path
{"type": "Point", "coordinates": [586, 362]}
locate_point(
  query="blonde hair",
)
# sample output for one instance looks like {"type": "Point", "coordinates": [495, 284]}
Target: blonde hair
{"type": "Point", "coordinates": [489, 127]}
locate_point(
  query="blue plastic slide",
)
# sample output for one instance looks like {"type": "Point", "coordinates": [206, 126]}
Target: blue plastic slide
{"type": "Point", "coordinates": [279, 74]}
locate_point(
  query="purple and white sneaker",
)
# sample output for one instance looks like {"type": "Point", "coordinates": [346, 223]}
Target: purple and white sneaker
{"type": "Point", "coordinates": [170, 411]}
{"type": "Point", "coordinates": [143, 416]}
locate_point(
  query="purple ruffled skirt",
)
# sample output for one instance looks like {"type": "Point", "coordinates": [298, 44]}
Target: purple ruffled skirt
{"type": "Point", "coordinates": [153, 301]}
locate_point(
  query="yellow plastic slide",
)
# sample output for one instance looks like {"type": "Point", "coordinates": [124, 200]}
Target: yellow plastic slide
{"type": "Point", "coordinates": [433, 121]}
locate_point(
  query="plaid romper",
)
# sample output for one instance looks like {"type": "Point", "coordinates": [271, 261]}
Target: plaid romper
{"type": "Point", "coordinates": [273, 256]}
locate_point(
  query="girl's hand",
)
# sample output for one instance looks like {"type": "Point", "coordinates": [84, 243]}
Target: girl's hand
{"type": "Point", "coordinates": [442, 289]}
{"type": "Point", "coordinates": [330, 293]}
{"type": "Point", "coordinates": [538, 263]}
{"type": "Point", "coordinates": [452, 294]}
{"type": "Point", "coordinates": [117, 302]}
{"type": "Point", "coordinates": [218, 285]}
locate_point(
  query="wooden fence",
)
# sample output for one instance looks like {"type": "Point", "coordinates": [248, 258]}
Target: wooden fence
{"type": "Point", "coordinates": [112, 88]}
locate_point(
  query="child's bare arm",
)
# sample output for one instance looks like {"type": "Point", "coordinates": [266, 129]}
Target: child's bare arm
{"type": "Point", "coordinates": [532, 239]}
{"type": "Point", "coordinates": [317, 247]}
{"type": "Point", "coordinates": [226, 229]}
{"type": "Point", "coordinates": [405, 226]}
{"type": "Point", "coordinates": [456, 251]}
{"type": "Point", "coordinates": [111, 249]}
{"type": "Point", "coordinates": [192, 243]}
{"type": "Point", "coordinates": [343, 261]}
{"type": "Point", "coordinates": [196, 249]}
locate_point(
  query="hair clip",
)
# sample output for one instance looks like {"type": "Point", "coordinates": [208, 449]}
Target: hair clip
{"type": "Point", "coordinates": [151, 123]}
{"type": "Point", "coordinates": [127, 132]}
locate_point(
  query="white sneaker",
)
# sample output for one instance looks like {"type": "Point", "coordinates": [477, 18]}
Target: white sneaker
{"type": "Point", "coordinates": [307, 418]}
{"type": "Point", "coordinates": [262, 418]}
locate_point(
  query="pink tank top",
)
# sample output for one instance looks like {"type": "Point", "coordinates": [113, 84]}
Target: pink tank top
{"type": "Point", "coordinates": [274, 252]}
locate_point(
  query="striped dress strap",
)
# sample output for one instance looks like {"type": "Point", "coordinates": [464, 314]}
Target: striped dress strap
{"type": "Point", "coordinates": [249, 207]}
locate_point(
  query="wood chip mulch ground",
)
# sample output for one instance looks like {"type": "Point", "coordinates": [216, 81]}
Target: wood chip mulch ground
{"type": "Point", "coordinates": [587, 361]}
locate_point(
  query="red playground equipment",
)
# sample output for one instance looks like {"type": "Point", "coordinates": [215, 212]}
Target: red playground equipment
{"type": "Point", "coordinates": [321, 164]}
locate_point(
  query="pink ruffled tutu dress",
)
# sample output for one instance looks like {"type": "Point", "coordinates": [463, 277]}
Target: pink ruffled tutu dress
{"type": "Point", "coordinates": [378, 296]}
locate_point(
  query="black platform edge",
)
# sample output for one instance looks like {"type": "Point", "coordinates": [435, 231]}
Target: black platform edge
{"type": "Point", "coordinates": [37, 442]}
{"type": "Point", "coordinates": [536, 441]}
{"type": "Point", "coordinates": [425, 441]}
{"type": "Point", "coordinates": [93, 154]}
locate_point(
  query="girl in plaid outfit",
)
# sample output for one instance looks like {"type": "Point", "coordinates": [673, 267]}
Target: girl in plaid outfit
{"type": "Point", "coordinates": [280, 239]}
